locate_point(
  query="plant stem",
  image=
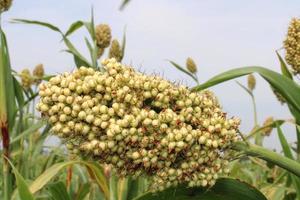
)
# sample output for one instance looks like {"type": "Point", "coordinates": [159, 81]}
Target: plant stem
{"type": "Point", "coordinates": [254, 110]}
{"type": "Point", "coordinates": [268, 155]}
{"type": "Point", "coordinates": [298, 141]}
{"type": "Point", "coordinates": [6, 166]}
{"type": "Point", "coordinates": [258, 136]}
{"type": "Point", "coordinates": [69, 177]}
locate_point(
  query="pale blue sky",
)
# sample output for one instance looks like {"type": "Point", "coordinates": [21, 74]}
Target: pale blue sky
{"type": "Point", "coordinates": [218, 34]}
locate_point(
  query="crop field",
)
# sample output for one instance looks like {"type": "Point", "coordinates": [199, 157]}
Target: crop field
{"type": "Point", "coordinates": [107, 127]}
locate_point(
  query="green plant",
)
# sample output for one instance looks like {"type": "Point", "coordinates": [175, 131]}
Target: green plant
{"type": "Point", "coordinates": [32, 170]}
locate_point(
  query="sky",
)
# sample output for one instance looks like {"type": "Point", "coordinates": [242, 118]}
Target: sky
{"type": "Point", "coordinates": [219, 35]}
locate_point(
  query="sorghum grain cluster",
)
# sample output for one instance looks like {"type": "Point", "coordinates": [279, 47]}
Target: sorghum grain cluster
{"type": "Point", "coordinates": [115, 50]}
{"type": "Point", "coordinates": [191, 65]}
{"type": "Point", "coordinates": [292, 45]}
{"type": "Point", "coordinates": [28, 79]}
{"type": "Point", "coordinates": [103, 37]}
{"type": "Point", "coordinates": [142, 125]}
{"type": "Point", "coordinates": [5, 5]}
{"type": "Point", "coordinates": [251, 82]}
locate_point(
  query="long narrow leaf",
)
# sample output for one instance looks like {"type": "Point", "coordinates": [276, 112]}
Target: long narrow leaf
{"type": "Point", "coordinates": [19, 93]}
{"type": "Point", "coordinates": [183, 70]}
{"type": "Point", "coordinates": [284, 144]}
{"type": "Point", "coordinates": [30, 130]}
{"type": "Point", "coordinates": [288, 153]}
{"type": "Point", "coordinates": [23, 189]}
{"type": "Point", "coordinates": [44, 178]}
{"type": "Point", "coordinates": [284, 69]}
{"type": "Point", "coordinates": [245, 88]}
{"type": "Point", "coordinates": [123, 44]}
{"type": "Point", "coordinates": [285, 86]}
{"type": "Point", "coordinates": [7, 93]}
{"type": "Point", "coordinates": [58, 191]}
{"type": "Point", "coordinates": [124, 4]}
{"type": "Point", "coordinates": [75, 52]}
{"type": "Point", "coordinates": [225, 189]}
{"type": "Point", "coordinates": [91, 50]}
{"type": "Point", "coordinates": [34, 22]}
{"type": "Point", "coordinates": [74, 26]}
{"type": "Point", "coordinates": [268, 155]}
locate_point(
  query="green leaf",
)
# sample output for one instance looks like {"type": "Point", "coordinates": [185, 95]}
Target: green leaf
{"type": "Point", "coordinates": [225, 189]}
{"type": "Point", "coordinates": [7, 93]}
{"type": "Point", "coordinates": [82, 191]}
{"type": "Point", "coordinates": [259, 129]}
{"type": "Point", "coordinates": [288, 153]}
{"type": "Point", "coordinates": [124, 4]}
{"type": "Point", "coordinates": [92, 52]}
{"type": "Point", "coordinates": [113, 186]}
{"type": "Point", "coordinates": [268, 155]}
{"type": "Point", "coordinates": [19, 93]}
{"type": "Point", "coordinates": [30, 98]}
{"type": "Point", "coordinates": [93, 168]}
{"type": "Point", "coordinates": [44, 24]}
{"type": "Point", "coordinates": [284, 69]}
{"type": "Point", "coordinates": [298, 140]}
{"type": "Point", "coordinates": [75, 52]}
{"type": "Point", "coordinates": [47, 77]}
{"type": "Point", "coordinates": [123, 44]}
{"type": "Point", "coordinates": [23, 189]}
{"type": "Point", "coordinates": [137, 187]}
{"type": "Point", "coordinates": [44, 178]}
{"type": "Point", "coordinates": [245, 88]}
{"type": "Point", "coordinates": [58, 191]}
{"type": "Point", "coordinates": [74, 26]}
{"type": "Point", "coordinates": [183, 70]}
{"type": "Point", "coordinates": [28, 131]}
{"type": "Point", "coordinates": [123, 188]}
{"type": "Point", "coordinates": [91, 26]}
{"type": "Point", "coordinates": [285, 86]}
{"type": "Point", "coordinates": [96, 171]}
{"type": "Point", "coordinates": [284, 144]}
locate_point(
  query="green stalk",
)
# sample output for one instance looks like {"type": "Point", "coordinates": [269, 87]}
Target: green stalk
{"type": "Point", "coordinates": [4, 125]}
{"type": "Point", "coordinates": [6, 167]}
{"type": "Point", "coordinates": [7, 112]}
{"type": "Point", "coordinates": [254, 109]}
{"type": "Point", "coordinates": [258, 136]}
{"type": "Point", "coordinates": [268, 155]}
{"type": "Point", "coordinates": [298, 141]}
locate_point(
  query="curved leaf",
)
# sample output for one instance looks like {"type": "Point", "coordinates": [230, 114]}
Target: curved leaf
{"type": "Point", "coordinates": [288, 153]}
{"type": "Point", "coordinates": [284, 69]}
{"type": "Point", "coordinates": [28, 131]}
{"type": "Point", "coordinates": [23, 189]}
{"type": "Point", "coordinates": [225, 189]}
{"type": "Point", "coordinates": [45, 24]}
{"type": "Point", "coordinates": [75, 52]}
{"type": "Point", "coordinates": [124, 3]}
{"type": "Point", "coordinates": [285, 86]}
{"type": "Point", "coordinates": [74, 26]}
{"type": "Point", "coordinates": [93, 169]}
{"type": "Point", "coordinates": [58, 191]}
{"type": "Point", "coordinates": [184, 70]}
{"type": "Point", "coordinates": [7, 93]}
{"type": "Point", "coordinates": [268, 155]}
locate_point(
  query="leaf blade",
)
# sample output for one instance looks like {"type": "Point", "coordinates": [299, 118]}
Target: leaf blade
{"type": "Point", "coordinates": [183, 70]}
{"type": "Point", "coordinates": [285, 86]}
{"type": "Point", "coordinates": [225, 189]}
{"type": "Point", "coordinates": [23, 189]}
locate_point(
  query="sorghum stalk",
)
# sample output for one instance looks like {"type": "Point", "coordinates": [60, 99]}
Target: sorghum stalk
{"type": "Point", "coordinates": [4, 123]}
